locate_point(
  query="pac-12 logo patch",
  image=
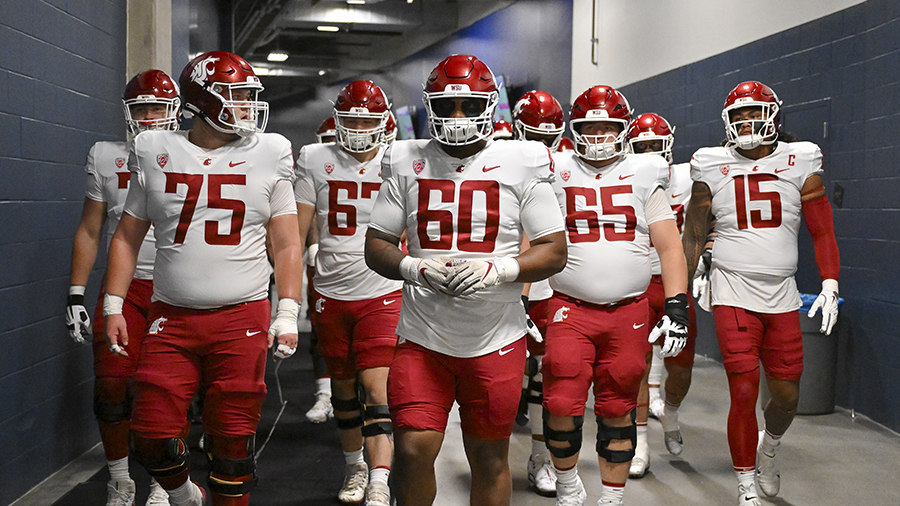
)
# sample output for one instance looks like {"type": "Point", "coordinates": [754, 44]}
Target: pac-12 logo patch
{"type": "Point", "coordinates": [566, 174]}
{"type": "Point", "coordinates": [725, 170]}
{"type": "Point", "coordinates": [329, 168]}
{"type": "Point", "coordinates": [162, 159]}
{"type": "Point", "coordinates": [419, 165]}
{"type": "Point", "coordinates": [120, 162]}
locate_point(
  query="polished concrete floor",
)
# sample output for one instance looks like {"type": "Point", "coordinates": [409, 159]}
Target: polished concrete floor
{"type": "Point", "coordinates": [834, 459]}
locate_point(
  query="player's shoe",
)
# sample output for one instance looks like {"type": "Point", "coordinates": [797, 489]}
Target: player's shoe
{"type": "Point", "coordinates": [120, 493]}
{"type": "Point", "coordinates": [747, 496]}
{"type": "Point", "coordinates": [322, 411]}
{"type": "Point", "coordinates": [610, 502]}
{"type": "Point", "coordinates": [572, 495]}
{"type": "Point", "coordinates": [657, 405]}
{"type": "Point", "coordinates": [767, 475]}
{"type": "Point", "coordinates": [356, 478]}
{"type": "Point", "coordinates": [640, 465]}
{"type": "Point", "coordinates": [542, 475]}
{"type": "Point", "coordinates": [674, 442]}
{"type": "Point", "coordinates": [378, 494]}
{"type": "Point", "coordinates": [158, 495]}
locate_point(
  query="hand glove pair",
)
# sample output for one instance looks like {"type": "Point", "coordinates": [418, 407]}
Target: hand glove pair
{"type": "Point", "coordinates": [672, 327]}
{"type": "Point", "coordinates": [458, 278]}
{"type": "Point", "coordinates": [77, 320]}
{"type": "Point", "coordinates": [827, 301]}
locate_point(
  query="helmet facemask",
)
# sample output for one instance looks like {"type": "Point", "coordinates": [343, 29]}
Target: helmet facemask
{"type": "Point", "coordinates": [597, 148]}
{"type": "Point", "coordinates": [762, 131]}
{"type": "Point", "coordinates": [168, 122]}
{"type": "Point", "coordinates": [460, 131]}
{"type": "Point", "coordinates": [241, 117]}
{"type": "Point", "coordinates": [544, 131]}
{"type": "Point", "coordinates": [665, 141]}
{"type": "Point", "coordinates": [360, 140]}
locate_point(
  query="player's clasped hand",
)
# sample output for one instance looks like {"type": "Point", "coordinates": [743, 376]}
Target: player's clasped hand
{"type": "Point", "coordinates": [672, 327]}
{"type": "Point", "coordinates": [427, 272]}
{"type": "Point", "coordinates": [471, 276]}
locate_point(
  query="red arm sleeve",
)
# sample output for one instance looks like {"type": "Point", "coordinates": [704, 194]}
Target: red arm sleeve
{"type": "Point", "coordinates": [819, 221]}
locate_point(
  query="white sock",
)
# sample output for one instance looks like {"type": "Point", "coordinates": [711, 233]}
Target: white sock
{"type": "Point", "coordinates": [770, 442]}
{"type": "Point", "coordinates": [323, 387]}
{"type": "Point", "coordinates": [669, 418]}
{"type": "Point", "coordinates": [657, 365]}
{"type": "Point", "coordinates": [641, 448]}
{"type": "Point", "coordinates": [118, 469]}
{"type": "Point", "coordinates": [538, 448]}
{"type": "Point", "coordinates": [745, 476]}
{"type": "Point", "coordinates": [654, 392]}
{"type": "Point", "coordinates": [379, 475]}
{"type": "Point", "coordinates": [612, 494]}
{"type": "Point", "coordinates": [354, 457]}
{"type": "Point", "coordinates": [568, 477]}
{"type": "Point", "coordinates": [184, 495]}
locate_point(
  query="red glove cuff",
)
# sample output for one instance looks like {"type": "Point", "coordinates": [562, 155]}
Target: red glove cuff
{"type": "Point", "coordinates": [819, 221]}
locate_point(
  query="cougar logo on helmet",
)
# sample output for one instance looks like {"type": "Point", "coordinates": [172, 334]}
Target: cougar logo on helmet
{"type": "Point", "coordinates": [203, 70]}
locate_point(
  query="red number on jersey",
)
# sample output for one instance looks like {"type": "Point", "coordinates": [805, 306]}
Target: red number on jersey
{"type": "Point", "coordinates": [752, 181]}
{"type": "Point", "coordinates": [465, 221]}
{"type": "Point", "coordinates": [123, 178]}
{"type": "Point", "coordinates": [608, 208]}
{"type": "Point", "coordinates": [194, 183]}
{"type": "Point", "coordinates": [349, 210]}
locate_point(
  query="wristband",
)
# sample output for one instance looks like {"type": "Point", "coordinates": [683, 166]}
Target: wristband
{"type": "Point", "coordinates": [677, 309]}
{"type": "Point", "coordinates": [507, 268]}
{"type": "Point", "coordinates": [112, 304]}
{"type": "Point", "coordinates": [830, 284]}
{"type": "Point", "coordinates": [409, 269]}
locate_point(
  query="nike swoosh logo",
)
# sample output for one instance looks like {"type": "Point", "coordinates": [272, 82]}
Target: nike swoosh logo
{"type": "Point", "coordinates": [251, 334]}
{"type": "Point", "coordinates": [675, 196]}
{"type": "Point", "coordinates": [488, 169]}
{"type": "Point", "coordinates": [389, 302]}
{"type": "Point", "coordinates": [234, 164]}
{"type": "Point", "coordinates": [781, 170]}
{"type": "Point", "coordinates": [636, 326]}
{"type": "Point", "coordinates": [504, 352]}
{"type": "Point", "coordinates": [625, 176]}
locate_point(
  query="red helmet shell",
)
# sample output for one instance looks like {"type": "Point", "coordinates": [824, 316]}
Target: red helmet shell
{"type": "Point", "coordinates": [461, 76]}
{"type": "Point", "coordinates": [152, 87]}
{"type": "Point", "coordinates": [326, 129]}
{"type": "Point", "coordinates": [461, 73]}
{"type": "Point", "coordinates": [749, 94]}
{"type": "Point", "coordinates": [362, 95]}
{"type": "Point", "coordinates": [537, 112]}
{"type": "Point", "coordinates": [565, 144]}
{"type": "Point", "coordinates": [502, 130]}
{"type": "Point", "coordinates": [652, 127]}
{"type": "Point", "coordinates": [206, 84]}
{"type": "Point", "coordinates": [361, 99]}
{"type": "Point", "coordinates": [600, 103]}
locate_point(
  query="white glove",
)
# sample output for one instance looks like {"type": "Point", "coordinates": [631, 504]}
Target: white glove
{"type": "Point", "coordinates": [426, 272]}
{"type": "Point", "coordinates": [672, 327]}
{"type": "Point", "coordinates": [77, 320]}
{"type": "Point", "coordinates": [827, 301]}
{"type": "Point", "coordinates": [468, 277]}
{"type": "Point", "coordinates": [533, 331]}
{"type": "Point", "coordinates": [700, 284]}
{"type": "Point", "coordinates": [285, 322]}
{"type": "Point", "coordinates": [309, 255]}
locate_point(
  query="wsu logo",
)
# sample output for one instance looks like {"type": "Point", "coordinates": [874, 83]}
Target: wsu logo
{"type": "Point", "coordinates": [329, 168]}
{"type": "Point", "coordinates": [566, 174]}
{"type": "Point", "coordinates": [120, 162]}
{"type": "Point", "coordinates": [157, 325]}
{"type": "Point", "coordinates": [203, 70]}
{"type": "Point", "coordinates": [320, 305]}
{"type": "Point", "coordinates": [561, 314]}
{"type": "Point", "coordinates": [162, 159]}
{"type": "Point", "coordinates": [419, 165]}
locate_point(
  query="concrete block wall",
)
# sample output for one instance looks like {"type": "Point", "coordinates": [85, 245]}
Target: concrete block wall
{"type": "Point", "coordinates": [839, 78]}
{"type": "Point", "coordinates": [62, 69]}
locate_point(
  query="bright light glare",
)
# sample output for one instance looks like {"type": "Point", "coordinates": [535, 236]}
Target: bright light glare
{"type": "Point", "coordinates": [327, 28]}
{"type": "Point", "coordinates": [277, 56]}
{"type": "Point", "coordinates": [356, 2]}
{"type": "Point", "coordinates": [321, 72]}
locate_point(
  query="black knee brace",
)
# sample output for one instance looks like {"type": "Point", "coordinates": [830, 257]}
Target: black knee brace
{"type": "Point", "coordinates": [606, 434]}
{"type": "Point", "coordinates": [375, 421]}
{"type": "Point", "coordinates": [535, 391]}
{"type": "Point", "coordinates": [572, 437]}
{"type": "Point", "coordinates": [175, 458]}
{"type": "Point", "coordinates": [107, 412]}
{"type": "Point", "coordinates": [344, 406]}
{"type": "Point", "coordinates": [222, 471]}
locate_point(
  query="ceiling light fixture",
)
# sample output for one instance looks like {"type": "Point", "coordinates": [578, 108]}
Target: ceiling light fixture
{"type": "Point", "coordinates": [356, 2]}
{"type": "Point", "coordinates": [277, 56]}
{"type": "Point", "coordinates": [327, 28]}
{"type": "Point", "coordinates": [322, 72]}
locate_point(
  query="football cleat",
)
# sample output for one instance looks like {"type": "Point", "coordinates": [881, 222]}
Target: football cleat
{"type": "Point", "coordinates": [747, 495]}
{"type": "Point", "coordinates": [657, 405]}
{"type": "Point", "coordinates": [378, 494]}
{"type": "Point", "coordinates": [158, 495]}
{"type": "Point", "coordinates": [572, 495]}
{"type": "Point", "coordinates": [674, 442]}
{"type": "Point", "coordinates": [322, 411]}
{"type": "Point", "coordinates": [767, 475]}
{"type": "Point", "coordinates": [640, 465]}
{"type": "Point", "coordinates": [356, 478]}
{"type": "Point", "coordinates": [120, 493]}
{"type": "Point", "coordinates": [542, 475]}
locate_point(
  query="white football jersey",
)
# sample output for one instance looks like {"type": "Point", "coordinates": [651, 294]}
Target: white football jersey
{"type": "Point", "coordinates": [678, 194]}
{"type": "Point", "coordinates": [606, 226]}
{"type": "Point", "coordinates": [471, 208]}
{"type": "Point", "coordinates": [343, 191]}
{"type": "Point", "coordinates": [108, 178]}
{"type": "Point", "coordinates": [210, 209]}
{"type": "Point", "coordinates": [757, 208]}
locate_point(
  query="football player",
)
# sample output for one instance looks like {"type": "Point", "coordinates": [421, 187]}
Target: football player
{"type": "Point", "coordinates": [356, 310]}
{"type": "Point", "coordinates": [465, 201]}
{"type": "Point", "coordinates": [757, 186]}
{"type": "Point", "coordinates": [150, 102]}
{"type": "Point", "coordinates": [213, 194]}
{"type": "Point", "coordinates": [614, 204]}
{"type": "Point", "coordinates": [326, 132]}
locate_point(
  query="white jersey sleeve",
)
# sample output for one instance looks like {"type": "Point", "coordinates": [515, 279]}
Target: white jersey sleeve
{"type": "Point", "coordinates": [757, 208]}
{"type": "Point", "coordinates": [471, 208]}
{"type": "Point", "coordinates": [343, 191]}
{"type": "Point", "coordinates": [679, 194]}
{"type": "Point", "coordinates": [210, 209]}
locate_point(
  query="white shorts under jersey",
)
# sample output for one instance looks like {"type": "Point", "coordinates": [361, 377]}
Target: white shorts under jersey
{"type": "Point", "coordinates": [757, 208]}
{"type": "Point", "coordinates": [607, 230]}
{"type": "Point", "coordinates": [678, 194]}
{"type": "Point", "coordinates": [343, 191]}
{"type": "Point", "coordinates": [471, 208]}
{"type": "Point", "coordinates": [108, 178]}
{"type": "Point", "coordinates": [210, 208]}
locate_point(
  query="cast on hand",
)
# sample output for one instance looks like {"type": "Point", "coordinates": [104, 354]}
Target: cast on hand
{"type": "Point", "coordinates": [827, 301]}
{"type": "Point", "coordinates": [285, 322]}
{"type": "Point", "coordinates": [673, 326]}
{"type": "Point", "coordinates": [77, 320]}
{"type": "Point", "coordinates": [471, 276]}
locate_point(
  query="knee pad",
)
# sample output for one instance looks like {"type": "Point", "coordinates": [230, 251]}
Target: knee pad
{"type": "Point", "coordinates": [374, 421]}
{"type": "Point", "coordinates": [572, 437]}
{"type": "Point", "coordinates": [232, 465]}
{"type": "Point", "coordinates": [344, 406]}
{"type": "Point", "coordinates": [162, 457]}
{"type": "Point", "coordinates": [112, 400]}
{"type": "Point", "coordinates": [606, 434]}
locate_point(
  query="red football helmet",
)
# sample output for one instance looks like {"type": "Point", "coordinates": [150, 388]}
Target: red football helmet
{"type": "Point", "coordinates": [652, 127]}
{"type": "Point", "coordinates": [151, 87]}
{"type": "Point", "coordinates": [327, 132]}
{"type": "Point", "coordinates": [502, 130]}
{"type": "Point", "coordinates": [565, 144]}
{"type": "Point", "coordinates": [461, 76]}
{"type": "Point", "coordinates": [537, 113]}
{"type": "Point", "coordinates": [600, 104]}
{"type": "Point", "coordinates": [208, 84]}
{"type": "Point", "coordinates": [361, 100]}
{"type": "Point", "coordinates": [390, 129]}
{"type": "Point", "coordinates": [764, 130]}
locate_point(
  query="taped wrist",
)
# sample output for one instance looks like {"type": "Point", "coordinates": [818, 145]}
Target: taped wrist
{"type": "Point", "coordinates": [507, 269]}
{"type": "Point", "coordinates": [677, 309]}
{"type": "Point", "coordinates": [409, 269]}
{"type": "Point", "coordinates": [112, 304]}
